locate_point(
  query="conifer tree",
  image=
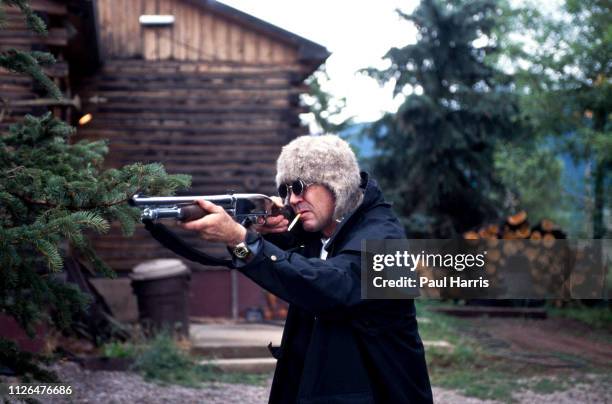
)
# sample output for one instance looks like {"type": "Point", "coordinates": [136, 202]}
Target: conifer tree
{"type": "Point", "coordinates": [54, 193]}
{"type": "Point", "coordinates": [436, 152]}
{"type": "Point", "coordinates": [569, 90]}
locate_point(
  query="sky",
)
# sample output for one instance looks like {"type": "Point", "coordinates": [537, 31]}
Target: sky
{"type": "Point", "coordinates": [358, 33]}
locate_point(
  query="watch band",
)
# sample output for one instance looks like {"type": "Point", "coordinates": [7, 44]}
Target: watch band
{"type": "Point", "coordinates": [245, 248]}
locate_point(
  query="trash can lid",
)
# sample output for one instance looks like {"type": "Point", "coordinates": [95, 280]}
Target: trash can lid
{"type": "Point", "coordinates": [159, 268]}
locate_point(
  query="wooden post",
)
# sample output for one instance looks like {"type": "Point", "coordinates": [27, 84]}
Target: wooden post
{"type": "Point", "coordinates": [235, 299]}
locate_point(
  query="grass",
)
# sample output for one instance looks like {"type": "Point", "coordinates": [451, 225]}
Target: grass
{"type": "Point", "coordinates": [255, 379]}
{"type": "Point", "coordinates": [552, 384]}
{"type": "Point", "coordinates": [473, 370]}
{"type": "Point", "coordinates": [596, 317]}
{"type": "Point", "coordinates": [479, 383]}
{"type": "Point", "coordinates": [466, 367]}
{"type": "Point", "coordinates": [163, 361]}
{"type": "Point", "coordinates": [549, 385]}
{"type": "Point", "coordinates": [469, 367]}
{"type": "Point", "coordinates": [119, 350]}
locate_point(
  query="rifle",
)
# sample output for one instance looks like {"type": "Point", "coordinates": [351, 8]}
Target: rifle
{"type": "Point", "coordinates": [246, 209]}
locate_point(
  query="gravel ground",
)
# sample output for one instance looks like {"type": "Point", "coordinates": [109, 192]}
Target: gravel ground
{"type": "Point", "coordinates": [444, 396]}
{"type": "Point", "coordinates": [102, 387]}
{"type": "Point", "coordinates": [597, 389]}
{"type": "Point", "coordinates": [584, 393]}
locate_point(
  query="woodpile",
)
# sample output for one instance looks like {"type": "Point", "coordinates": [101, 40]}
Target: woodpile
{"type": "Point", "coordinates": [275, 309]}
{"type": "Point", "coordinates": [517, 227]}
{"type": "Point", "coordinates": [556, 269]}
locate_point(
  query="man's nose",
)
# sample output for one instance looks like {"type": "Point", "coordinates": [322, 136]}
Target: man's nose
{"type": "Point", "coordinates": [294, 199]}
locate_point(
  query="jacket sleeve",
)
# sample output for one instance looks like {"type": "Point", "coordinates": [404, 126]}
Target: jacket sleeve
{"type": "Point", "coordinates": [310, 283]}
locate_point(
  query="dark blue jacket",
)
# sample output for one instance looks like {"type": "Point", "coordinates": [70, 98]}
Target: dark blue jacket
{"type": "Point", "coordinates": [336, 347]}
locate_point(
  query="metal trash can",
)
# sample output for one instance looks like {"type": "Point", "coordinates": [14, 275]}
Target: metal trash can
{"type": "Point", "coordinates": [162, 289]}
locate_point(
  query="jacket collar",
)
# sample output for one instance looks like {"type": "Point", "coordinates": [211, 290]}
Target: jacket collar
{"type": "Point", "coordinates": [372, 197]}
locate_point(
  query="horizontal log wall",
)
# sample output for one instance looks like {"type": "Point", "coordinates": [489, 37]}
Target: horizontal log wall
{"type": "Point", "coordinates": [14, 34]}
{"type": "Point", "coordinates": [197, 34]}
{"type": "Point", "coordinates": [222, 123]}
{"type": "Point", "coordinates": [207, 97]}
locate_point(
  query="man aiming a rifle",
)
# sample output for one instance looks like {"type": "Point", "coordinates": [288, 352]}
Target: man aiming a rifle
{"type": "Point", "coordinates": [336, 347]}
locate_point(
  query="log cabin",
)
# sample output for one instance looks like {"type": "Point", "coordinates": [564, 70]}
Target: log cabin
{"type": "Point", "coordinates": [196, 85]}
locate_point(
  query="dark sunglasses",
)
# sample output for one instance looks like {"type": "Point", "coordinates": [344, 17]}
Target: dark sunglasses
{"type": "Point", "coordinates": [297, 187]}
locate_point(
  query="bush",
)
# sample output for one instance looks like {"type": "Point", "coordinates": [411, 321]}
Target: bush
{"type": "Point", "coordinates": [162, 360]}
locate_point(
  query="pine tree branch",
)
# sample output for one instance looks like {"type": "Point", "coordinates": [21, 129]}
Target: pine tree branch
{"type": "Point", "coordinates": [31, 201]}
{"type": "Point", "coordinates": [21, 62]}
{"type": "Point", "coordinates": [13, 169]}
{"type": "Point", "coordinates": [35, 23]}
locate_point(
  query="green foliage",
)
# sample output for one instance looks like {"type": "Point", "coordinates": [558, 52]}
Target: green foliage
{"type": "Point", "coordinates": [30, 63]}
{"type": "Point", "coordinates": [464, 367]}
{"type": "Point", "coordinates": [35, 23]}
{"type": "Point", "coordinates": [116, 349]}
{"type": "Point", "coordinates": [529, 170]}
{"type": "Point", "coordinates": [567, 89]}
{"type": "Point", "coordinates": [54, 193]}
{"type": "Point", "coordinates": [21, 362]}
{"type": "Point", "coordinates": [479, 365]}
{"type": "Point", "coordinates": [596, 317]}
{"type": "Point", "coordinates": [550, 385]}
{"type": "Point", "coordinates": [436, 153]}
{"type": "Point", "coordinates": [162, 360]}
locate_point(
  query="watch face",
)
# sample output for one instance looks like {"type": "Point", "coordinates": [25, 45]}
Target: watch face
{"type": "Point", "coordinates": [241, 251]}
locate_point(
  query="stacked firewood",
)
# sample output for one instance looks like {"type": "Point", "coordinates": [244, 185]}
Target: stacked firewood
{"type": "Point", "coordinates": [545, 262]}
{"type": "Point", "coordinates": [275, 309]}
{"type": "Point", "coordinates": [517, 227]}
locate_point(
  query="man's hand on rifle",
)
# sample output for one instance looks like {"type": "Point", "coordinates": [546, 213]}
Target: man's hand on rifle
{"type": "Point", "coordinates": [273, 224]}
{"type": "Point", "coordinates": [217, 226]}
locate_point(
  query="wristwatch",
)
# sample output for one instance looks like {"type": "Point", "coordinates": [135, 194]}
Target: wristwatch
{"type": "Point", "coordinates": [241, 251]}
{"type": "Point", "coordinates": [244, 249]}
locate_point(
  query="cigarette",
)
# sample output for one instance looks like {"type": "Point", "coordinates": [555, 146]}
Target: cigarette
{"type": "Point", "coordinates": [294, 221]}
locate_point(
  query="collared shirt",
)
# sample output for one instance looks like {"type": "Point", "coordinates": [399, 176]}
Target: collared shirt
{"type": "Point", "coordinates": [323, 254]}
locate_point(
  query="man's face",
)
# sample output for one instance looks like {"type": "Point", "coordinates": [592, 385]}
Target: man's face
{"type": "Point", "coordinates": [316, 207]}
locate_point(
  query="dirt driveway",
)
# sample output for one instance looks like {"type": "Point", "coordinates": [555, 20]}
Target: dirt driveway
{"type": "Point", "coordinates": [553, 343]}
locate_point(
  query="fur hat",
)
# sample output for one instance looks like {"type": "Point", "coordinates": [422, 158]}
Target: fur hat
{"type": "Point", "coordinates": [326, 160]}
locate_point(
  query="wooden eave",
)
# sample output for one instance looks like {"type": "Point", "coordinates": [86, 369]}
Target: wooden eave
{"type": "Point", "coordinates": [310, 53]}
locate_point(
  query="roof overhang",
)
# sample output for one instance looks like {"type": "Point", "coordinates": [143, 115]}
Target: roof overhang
{"type": "Point", "coordinates": [310, 53]}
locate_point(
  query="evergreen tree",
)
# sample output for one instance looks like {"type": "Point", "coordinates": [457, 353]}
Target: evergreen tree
{"type": "Point", "coordinates": [568, 88]}
{"type": "Point", "coordinates": [436, 152]}
{"type": "Point", "coordinates": [29, 63]}
{"type": "Point", "coordinates": [531, 172]}
{"type": "Point", "coordinates": [53, 194]}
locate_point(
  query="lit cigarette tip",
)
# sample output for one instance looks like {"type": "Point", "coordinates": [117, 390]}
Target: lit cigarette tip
{"type": "Point", "coordinates": [294, 221]}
